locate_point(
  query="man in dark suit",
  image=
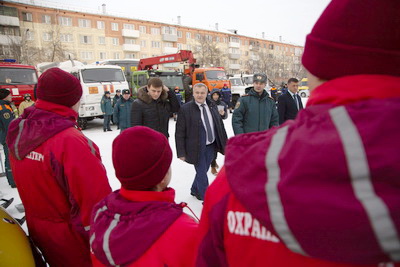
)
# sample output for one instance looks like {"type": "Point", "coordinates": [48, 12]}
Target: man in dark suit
{"type": "Point", "coordinates": [199, 135]}
{"type": "Point", "coordinates": [289, 103]}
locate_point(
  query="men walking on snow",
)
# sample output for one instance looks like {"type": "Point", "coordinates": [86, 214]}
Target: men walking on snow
{"type": "Point", "coordinates": [200, 133]}
{"type": "Point", "coordinates": [255, 111]}
{"type": "Point", "coordinates": [58, 171]}
{"type": "Point", "coordinates": [153, 106]}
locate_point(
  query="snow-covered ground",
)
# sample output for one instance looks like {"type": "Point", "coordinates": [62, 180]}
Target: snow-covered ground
{"type": "Point", "coordinates": [182, 173]}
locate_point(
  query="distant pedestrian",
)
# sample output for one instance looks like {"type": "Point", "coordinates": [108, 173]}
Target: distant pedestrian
{"type": "Point", "coordinates": [107, 109]}
{"type": "Point", "coordinates": [28, 102]}
{"type": "Point", "coordinates": [200, 133]}
{"type": "Point", "coordinates": [226, 93]}
{"type": "Point", "coordinates": [289, 104]}
{"type": "Point", "coordinates": [256, 110]}
{"type": "Point", "coordinates": [122, 110]}
{"type": "Point", "coordinates": [215, 98]}
{"type": "Point", "coordinates": [179, 98]}
{"type": "Point", "coordinates": [148, 227]}
{"type": "Point", "coordinates": [153, 106]}
{"type": "Point", "coordinates": [58, 171]}
{"type": "Point", "coordinates": [6, 116]}
{"type": "Point", "coordinates": [114, 102]}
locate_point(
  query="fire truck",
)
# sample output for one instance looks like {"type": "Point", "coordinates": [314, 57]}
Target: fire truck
{"type": "Point", "coordinates": [19, 79]}
{"type": "Point", "coordinates": [192, 74]}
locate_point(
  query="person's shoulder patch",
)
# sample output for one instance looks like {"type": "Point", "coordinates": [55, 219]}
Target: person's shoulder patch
{"type": "Point", "coordinates": [6, 116]}
{"type": "Point", "coordinates": [237, 105]}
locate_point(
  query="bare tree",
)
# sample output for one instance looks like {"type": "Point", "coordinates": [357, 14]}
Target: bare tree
{"type": "Point", "coordinates": [208, 53]}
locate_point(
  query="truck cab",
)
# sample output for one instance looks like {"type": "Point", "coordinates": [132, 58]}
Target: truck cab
{"type": "Point", "coordinates": [212, 77]}
{"type": "Point", "coordinates": [19, 79]}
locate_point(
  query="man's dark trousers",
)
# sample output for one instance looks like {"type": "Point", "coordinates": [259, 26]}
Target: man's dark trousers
{"type": "Point", "coordinates": [206, 156]}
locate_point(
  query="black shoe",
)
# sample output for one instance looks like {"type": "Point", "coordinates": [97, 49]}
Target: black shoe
{"type": "Point", "coordinates": [105, 130]}
{"type": "Point", "coordinates": [109, 130]}
{"type": "Point", "coordinates": [196, 196]}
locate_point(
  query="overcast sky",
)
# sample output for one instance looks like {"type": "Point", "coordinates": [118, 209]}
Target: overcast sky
{"type": "Point", "coordinates": [291, 19]}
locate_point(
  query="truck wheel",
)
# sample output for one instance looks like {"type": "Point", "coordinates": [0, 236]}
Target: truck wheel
{"type": "Point", "coordinates": [235, 98]}
{"type": "Point", "coordinates": [82, 123]}
{"type": "Point", "coordinates": [187, 82]}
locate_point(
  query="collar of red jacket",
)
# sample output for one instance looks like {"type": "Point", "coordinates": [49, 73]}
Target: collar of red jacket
{"type": "Point", "coordinates": [168, 195]}
{"type": "Point", "coordinates": [58, 109]}
{"type": "Point", "coordinates": [350, 89]}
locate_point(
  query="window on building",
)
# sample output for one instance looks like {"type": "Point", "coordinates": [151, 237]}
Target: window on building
{"type": "Point", "coordinates": [179, 34]}
{"type": "Point", "coordinates": [180, 46]}
{"type": "Point", "coordinates": [102, 40]}
{"type": "Point", "coordinates": [26, 16]}
{"type": "Point", "coordinates": [86, 55]}
{"type": "Point", "coordinates": [169, 30]}
{"type": "Point", "coordinates": [234, 39]}
{"type": "Point", "coordinates": [101, 25]}
{"type": "Point", "coordinates": [143, 43]}
{"type": "Point", "coordinates": [86, 39]}
{"type": "Point", "coordinates": [271, 46]}
{"type": "Point", "coordinates": [65, 21]}
{"type": "Point", "coordinates": [189, 47]}
{"type": "Point", "coordinates": [29, 35]}
{"type": "Point", "coordinates": [103, 55]}
{"type": "Point", "coordinates": [46, 19]}
{"type": "Point", "coordinates": [142, 29]}
{"type": "Point", "coordinates": [115, 41]}
{"type": "Point", "coordinates": [84, 23]}
{"type": "Point", "coordinates": [143, 56]}
{"type": "Point", "coordinates": [155, 31]}
{"type": "Point", "coordinates": [130, 55]}
{"type": "Point", "coordinates": [47, 36]}
{"type": "Point", "coordinates": [67, 38]}
{"type": "Point", "coordinates": [129, 26]}
{"type": "Point", "coordinates": [114, 26]}
{"type": "Point", "coordinates": [225, 40]}
{"type": "Point", "coordinates": [217, 39]}
{"type": "Point", "coordinates": [198, 36]}
{"type": "Point", "coordinates": [188, 35]}
{"type": "Point", "coordinates": [130, 41]}
{"type": "Point", "coordinates": [116, 55]}
{"type": "Point", "coordinates": [167, 44]}
{"type": "Point", "coordinates": [155, 44]}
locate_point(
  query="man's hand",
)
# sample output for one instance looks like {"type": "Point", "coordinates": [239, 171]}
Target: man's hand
{"type": "Point", "coordinates": [165, 88]}
{"type": "Point", "coordinates": [182, 158]}
{"type": "Point", "coordinates": [221, 112]}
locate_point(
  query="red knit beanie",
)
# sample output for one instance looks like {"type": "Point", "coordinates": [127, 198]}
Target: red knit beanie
{"type": "Point", "coordinates": [355, 37]}
{"type": "Point", "coordinates": [141, 158]}
{"type": "Point", "coordinates": [60, 87]}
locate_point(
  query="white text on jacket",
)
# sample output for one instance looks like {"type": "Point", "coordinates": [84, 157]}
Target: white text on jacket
{"type": "Point", "coordinates": [35, 156]}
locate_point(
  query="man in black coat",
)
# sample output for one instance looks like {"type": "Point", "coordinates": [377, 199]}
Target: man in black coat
{"type": "Point", "coordinates": [153, 106]}
{"type": "Point", "coordinates": [200, 133]}
{"type": "Point", "coordinates": [289, 104]}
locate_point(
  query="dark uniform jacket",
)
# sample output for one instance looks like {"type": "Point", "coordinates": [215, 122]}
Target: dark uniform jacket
{"type": "Point", "coordinates": [106, 106]}
{"type": "Point", "coordinates": [115, 99]}
{"type": "Point", "coordinates": [154, 113]}
{"type": "Point", "coordinates": [6, 116]}
{"type": "Point", "coordinates": [254, 113]}
{"type": "Point", "coordinates": [122, 113]}
{"type": "Point", "coordinates": [287, 108]}
{"type": "Point", "coordinates": [187, 134]}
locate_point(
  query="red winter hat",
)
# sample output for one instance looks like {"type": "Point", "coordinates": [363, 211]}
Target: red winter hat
{"type": "Point", "coordinates": [60, 87]}
{"type": "Point", "coordinates": [355, 37]}
{"type": "Point", "coordinates": [141, 158]}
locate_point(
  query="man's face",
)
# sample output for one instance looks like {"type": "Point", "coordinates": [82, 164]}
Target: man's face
{"type": "Point", "coordinates": [28, 98]}
{"type": "Point", "coordinates": [118, 93]}
{"type": "Point", "coordinates": [108, 95]}
{"type": "Point", "coordinates": [215, 96]}
{"type": "Point", "coordinates": [293, 87]}
{"type": "Point", "coordinates": [259, 87]}
{"type": "Point", "coordinates": [154, 92]}
{"type": "Point", "coordinates": [126, 96]}
{"type": "Point", "coordinates": [200, 94]}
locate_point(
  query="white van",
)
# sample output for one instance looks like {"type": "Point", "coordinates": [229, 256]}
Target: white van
{"type": "Point", "coordinates": [95, 80]}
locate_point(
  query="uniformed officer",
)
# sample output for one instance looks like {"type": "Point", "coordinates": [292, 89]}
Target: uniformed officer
{"type": "Point", "coordinates": [255, 111]}
{"type": "Point", "coordinates": [122, 110]}
{"type": "Point", "coordinates": [6, 116]}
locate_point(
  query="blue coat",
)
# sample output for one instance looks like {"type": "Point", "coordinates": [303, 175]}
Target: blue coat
{"type": "Point", "coordinates": [106, 105]}
{"type": "Point", "coordinates": [122, 113]}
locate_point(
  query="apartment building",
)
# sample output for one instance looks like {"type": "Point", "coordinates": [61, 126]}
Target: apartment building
{"type": "Point", "coordinates": [49, 34]}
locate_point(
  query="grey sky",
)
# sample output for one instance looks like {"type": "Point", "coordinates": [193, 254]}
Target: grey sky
{"type": "Point", "coordinates": [291, 19]}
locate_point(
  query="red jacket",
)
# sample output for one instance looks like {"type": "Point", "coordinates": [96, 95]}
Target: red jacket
{"type": "Point", "coordinates": [142, 229]}
{"type": "Point", "coordinates": [60, 177]}
{"type": "Point", "coordinates": [319, 191]}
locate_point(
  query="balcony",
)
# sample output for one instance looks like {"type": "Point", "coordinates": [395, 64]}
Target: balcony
{"type": "Point", "coordinates": [254, 57]}
{"type": "Point", "coordinates": [254, 48]}
{"type": "Point", "coordinates": [9, 40]}
{"type": "Point", "coordinates": [234, 45]}
{"type": "Point", "coordinates": [9, 21]}
{"type": "Point", "coordinates": [234, 66]}
{"type": "Point", "coordinates": [234, 56]}
{"type": "Point", "coordinates": [170, 50]}
{"type": "Point", "coordinates": [131, 47]}
{"type": "Point", "coordinates": [130, 33]}
{"type": "Point", "coordinates": [170, 38]}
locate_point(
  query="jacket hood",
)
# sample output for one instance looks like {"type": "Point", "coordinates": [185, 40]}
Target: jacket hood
{"type": "Point", "coordinates": [145, 97]}
{"type": "Point", "coordinates": [134, 226]}
{"type": "Point", "coordinates": [36, 125]}
{"type": "Point", "coordinates": [335, 196]}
